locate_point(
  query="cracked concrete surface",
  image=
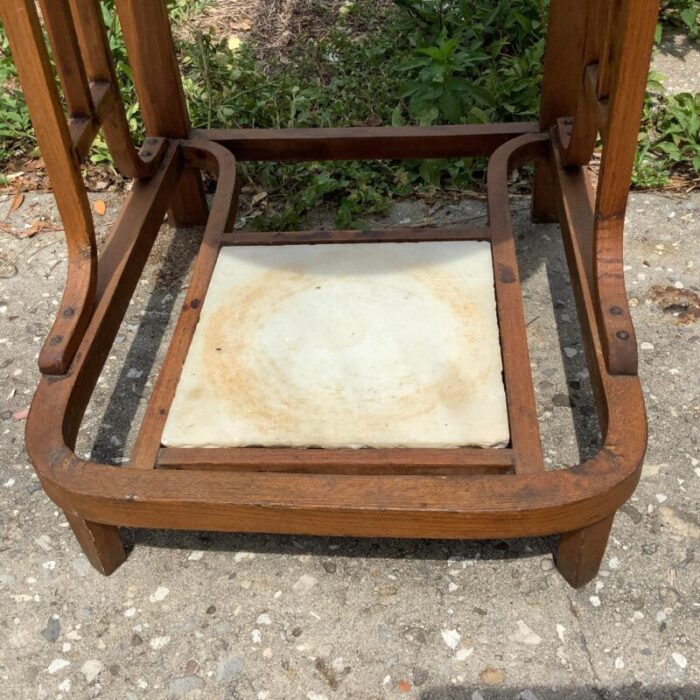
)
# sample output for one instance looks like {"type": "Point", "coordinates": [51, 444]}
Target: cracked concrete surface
{"type": "Point", "coordinates": [202, 615]}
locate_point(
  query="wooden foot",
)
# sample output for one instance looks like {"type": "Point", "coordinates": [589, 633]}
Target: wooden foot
{"type": "Point", "coordinates": [189, 203]}
{"type": "Point", "coordinates": [101, 543]}
{"type": "Point", "coordinates": [581, 551]}
{"type": "Point", "coordinates": [544, 201]}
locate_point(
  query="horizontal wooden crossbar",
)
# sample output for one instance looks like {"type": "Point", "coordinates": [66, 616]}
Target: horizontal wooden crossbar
{"type": "Point", "coordinates": [366, 461]}
{"type": "Point", "coordinates": [388, 235]}
{"type": "Point", "coordinates": [83, 130]}
{"type": "Point", "coordinates": [366, 143]}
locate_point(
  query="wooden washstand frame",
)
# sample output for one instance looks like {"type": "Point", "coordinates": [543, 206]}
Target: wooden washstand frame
{"type": "Point", "coordinates": [595, 72]}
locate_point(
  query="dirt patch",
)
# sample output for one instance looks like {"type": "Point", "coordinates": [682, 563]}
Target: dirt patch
{"type": "Point", "coordinates": [275, 24]}
{"type": "Point", "coordinates": [682, 304]}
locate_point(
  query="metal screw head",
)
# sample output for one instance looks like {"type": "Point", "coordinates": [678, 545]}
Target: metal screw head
{"type": "Point", "coordinates": [616, 311]}
{"type": "Point", "coordinates": [622, 335]}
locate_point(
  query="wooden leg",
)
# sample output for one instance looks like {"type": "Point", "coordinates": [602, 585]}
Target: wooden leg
{"type": "Point", "coordinates": [544, 196]}
{"type": "Point", "coordinates": [101, 543]}
{"type": "Point", "coordinates": [581, 552]}
{"type": "Point", "coordinates": [189, 203]}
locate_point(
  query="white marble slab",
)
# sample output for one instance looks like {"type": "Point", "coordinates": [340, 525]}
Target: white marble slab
{"type": "Point", "coordinates": [355, 345]}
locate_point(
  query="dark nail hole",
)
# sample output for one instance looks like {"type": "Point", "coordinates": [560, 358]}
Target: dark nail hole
{"type": "Point", "coordinates": [616, 311]}
{"type": "Point", "coordinates": [56, 340]}
{"type": "Point", "coordinates": [68, 313]}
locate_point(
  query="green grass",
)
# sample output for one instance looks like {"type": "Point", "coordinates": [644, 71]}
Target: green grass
{"type": "Point", "coordinates": [413, 61]}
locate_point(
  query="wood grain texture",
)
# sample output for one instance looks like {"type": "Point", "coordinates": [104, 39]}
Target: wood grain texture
{"type": "Point", "coordinates": [635, 25]}
{"type": "Point", "coordinates": [480, 505]}
{"type": "Point", "coordinates": [365, 143]}
{"type": "Point", "coordinates": [220, 163]}
{"type": "Point", "coordinates": [517, 375]}
{"type": "Point", "coordinates": [580, 552]}
{"type": "Point", "coordinates": [387, 235]}
{"type": "Point", "coordinates": [110, 113]}
{"type": "Point", "coordinates": [101, 544]}
{"type": "Point", "coordinates": [21, 23]}
{"type": "Point", "coordinates": [66, 52]}
{"type": "Point", "coordinates": [563, 63]}
{"type": "Point", "coordinates": [586, 118]}
{"type": "Point", "coordinates": [403, 493]}
{"type": "Point", "coordinates": [159, 88]}
{"type": "Point", "coordinates": [365, 461]}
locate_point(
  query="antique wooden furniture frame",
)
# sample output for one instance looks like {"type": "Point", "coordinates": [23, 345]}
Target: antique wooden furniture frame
{"type": "Point", "coordinates": [594, 79]}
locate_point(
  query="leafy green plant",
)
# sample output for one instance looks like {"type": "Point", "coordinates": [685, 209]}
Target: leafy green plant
{"type": "Point", "coordinates": [14, 118]}
{"type": "Point", "coordinates": [473, 60]}
{"type": "Point", "coordinates": [470, 61]}
{"type": "Point", "coordinates": [670, 139]}
{"type": "Point", "coordinates": [684, 14]}
{"type": "Point", "coordinates": [334, 80]}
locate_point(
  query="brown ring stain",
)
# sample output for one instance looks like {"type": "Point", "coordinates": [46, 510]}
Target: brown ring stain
{"type": "Point", "coordinates": [262, 392]}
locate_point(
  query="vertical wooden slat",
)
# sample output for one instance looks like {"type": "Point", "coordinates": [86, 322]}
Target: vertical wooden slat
{"type": "Point", "coordinates": [584, 129]}
{"type": "Point", "coordinates": [563, 68]}
{"type": "Point", "coordinates": [151, 50]}
{"type": "Point", "coordinates": [94, 45]}
{"type": "Point", "coordinates": [635, 28]}
{"type": "Point", "coordinates": [66, 52]}
{"type": "Point", "coordinates": [31, 58]}
{"type": "Point", "coordinates": [608, 47]}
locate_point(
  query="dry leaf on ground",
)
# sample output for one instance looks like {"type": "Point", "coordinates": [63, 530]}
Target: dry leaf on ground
{"type": "Point", "coordinates": [16, 202]}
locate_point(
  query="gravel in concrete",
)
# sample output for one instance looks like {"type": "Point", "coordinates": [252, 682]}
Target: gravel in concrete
{"type": "Point", "coordinates": [197, 615]}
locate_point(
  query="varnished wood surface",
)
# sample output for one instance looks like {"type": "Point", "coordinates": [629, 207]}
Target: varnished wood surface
{"type": "Point", "coordinates": [21, 23]}
{"type": "Point", "coordinates": [635, 25]}
{"type": "Point", "coordinates": [566, 37]}
{"type": "Point", "coordinates": [151, 49]}
{"type": "Point", "coordinates": [385, 235]}
{"type": "Point", "coordinates": [66, 52]}
{"type": "Point", "coordinates": [580, 553]}
{"type": "Point", "coordinates": [365, 143]}
{"type": "Point", "coordinates": [517, 375]}
{"type": "Point", "coordinates": [110, 113]}
{"type": "Point", "coordinates": [481, 505]}
{"type": "Point", "coordinates": [585, 118]}
{"type": "Point", "coordinates": [364, 461]}
{"type": "Point", "coordinates": [219, 162]}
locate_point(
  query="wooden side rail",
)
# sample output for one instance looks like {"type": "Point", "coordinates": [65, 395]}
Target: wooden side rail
{"type": "Point", "coordinates": [610, 75]}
